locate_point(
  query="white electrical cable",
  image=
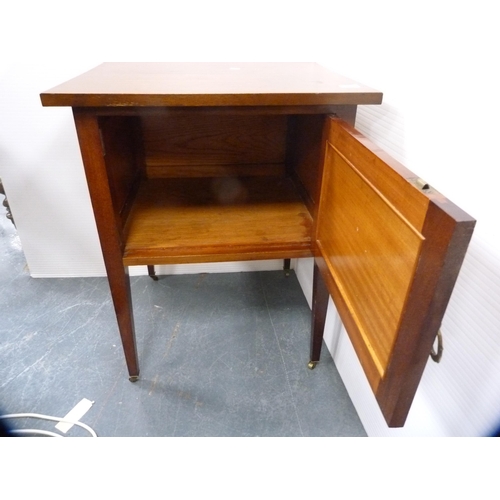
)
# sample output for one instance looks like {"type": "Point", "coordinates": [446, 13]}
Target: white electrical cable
{"type": "Point", "coordinates": [30, 432]}
{"type": "Point", "coordinates": [48, 417]}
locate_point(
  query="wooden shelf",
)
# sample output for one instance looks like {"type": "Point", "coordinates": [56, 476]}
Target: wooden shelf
{"type": "Point", "coordinates": [216, 219]}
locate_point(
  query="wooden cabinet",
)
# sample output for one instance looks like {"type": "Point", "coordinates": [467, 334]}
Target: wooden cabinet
{"type": "Point", "coordinates": [209, 162]}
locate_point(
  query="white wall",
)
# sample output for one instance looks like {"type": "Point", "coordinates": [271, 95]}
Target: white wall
{"type": "Point", "coordinates": [434, 60]}
{"type": "Point", "coordinates": [435, 66]}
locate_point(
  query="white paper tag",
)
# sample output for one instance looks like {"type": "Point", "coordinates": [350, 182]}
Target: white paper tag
{"type": "Point", "coordinates": [75, 414]}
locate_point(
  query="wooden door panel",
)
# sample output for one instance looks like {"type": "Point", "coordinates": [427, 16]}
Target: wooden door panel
{"type": "Point", "coordinates": [389, 252]}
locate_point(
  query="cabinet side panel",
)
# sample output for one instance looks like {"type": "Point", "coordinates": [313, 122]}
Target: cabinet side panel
{"type": "Point", "coordinates": [305, 149]}
{"type": "Point", "coordinates": [304, 154]}
{"type": "Point", "coordinates": [122, 144]}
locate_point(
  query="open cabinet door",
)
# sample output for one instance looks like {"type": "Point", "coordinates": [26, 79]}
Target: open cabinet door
{"type": "Point", "coordinates": [389, 249]}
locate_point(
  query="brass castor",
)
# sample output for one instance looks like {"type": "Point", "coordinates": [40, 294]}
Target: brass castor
{"type": "Point", "coordinates": [286, 267]}
{"type": "Point", "coordinates": [134, 378]}
{"type": "Point", "coordinates": [312, 365]}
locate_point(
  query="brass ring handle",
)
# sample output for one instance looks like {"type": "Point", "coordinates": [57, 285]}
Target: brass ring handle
{"type": "Point", "coordinates": [436, 357]}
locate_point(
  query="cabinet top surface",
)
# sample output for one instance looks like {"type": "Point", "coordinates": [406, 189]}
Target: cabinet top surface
{"type": "Point", "coordinates": [209, 84]}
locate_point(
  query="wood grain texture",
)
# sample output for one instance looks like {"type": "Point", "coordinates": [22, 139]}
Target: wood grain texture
{"type": "Point", "coordinates": [209, 84]}
{"type": "Point", "coordinates": [261, 110]}
{"type": "Point", "coordinates": [320, 297]}
{"type": "Point", "coordinates": [207, 220]}
{"type": "Point", "coordinates": [108, 227]}
{"type": "Point", "coordinates": [304, 153]}
{"type": "Point", "coordinates": [206, 145]}
{"type": "Point", "coordinates": [124, 159]}
{"type": "Point", "coordinates": [214, 138]}
{"type": "Point", "coordinates": [371, 251]}
{"type": "Point", "coordinates": [390, 254]}
{"type": "Point", "coordinates": [447, 236]}
{"type": "Point", "coordinates": [305, 150]}
{"type": "Point", "coordinates": [375, 164]}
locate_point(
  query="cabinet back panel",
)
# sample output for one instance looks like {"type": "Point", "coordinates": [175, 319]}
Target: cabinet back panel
{"type": "Point", "coordinates": [200, 145]}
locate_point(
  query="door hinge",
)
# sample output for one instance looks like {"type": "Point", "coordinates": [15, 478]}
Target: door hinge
{"type": "Point", "coordinates": [420, 183]}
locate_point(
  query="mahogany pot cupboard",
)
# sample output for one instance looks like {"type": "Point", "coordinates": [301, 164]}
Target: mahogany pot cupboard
{"type": "Point", "coordinates": [206, 162]}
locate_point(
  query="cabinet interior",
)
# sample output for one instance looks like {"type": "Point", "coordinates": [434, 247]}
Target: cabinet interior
{"type": "Point", "coordinates": [192, 186]}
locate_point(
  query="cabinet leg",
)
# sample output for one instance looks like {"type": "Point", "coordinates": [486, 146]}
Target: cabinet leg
{"type": "Point", "coordinates": [119, 283]}
{"type": "Point", "coordinates": [152, 273]}
{"type": "Point", "coordinates": [286, 266]}
{"type": "Point", "coordinates": [109, 228]}
{"type": "Point", "coordinates": [318, 317]}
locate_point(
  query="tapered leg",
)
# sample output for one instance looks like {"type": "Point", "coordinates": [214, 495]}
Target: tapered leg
{"type": "Point", "coordinates": [109, 229]}
{"type": "Point", "coordinates": [318, 318]}
{"type": "Point", "coordinates": [119, 284]}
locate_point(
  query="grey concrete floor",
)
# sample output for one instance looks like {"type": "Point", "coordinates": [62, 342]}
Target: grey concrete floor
{"type": "Point", "coordinates": [220, 355]}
